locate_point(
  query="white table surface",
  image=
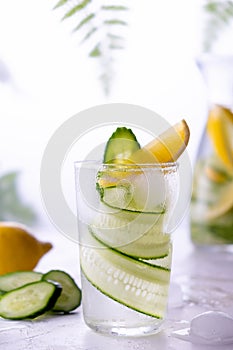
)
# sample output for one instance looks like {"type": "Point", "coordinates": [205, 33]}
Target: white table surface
{"type": "Point", "coordinates": [205, 278]}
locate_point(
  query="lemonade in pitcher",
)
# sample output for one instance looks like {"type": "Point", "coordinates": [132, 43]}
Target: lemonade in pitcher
{"type": "Point", "coordinates": [212, 198]}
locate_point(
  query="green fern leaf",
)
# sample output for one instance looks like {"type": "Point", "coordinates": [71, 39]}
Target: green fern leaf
{"type": "Point", "coordinates": [219, 16]}
{"type": "Point", "coordinates": [92, 18]}
{"type": "Point", "coordinates": [116, 47]}
{"type": "Point", "coordinates": [96, 52]}
{"type": "Point", "coordinates": [115, 22]}
{"type": "Point", "coordinates": [106, 80]}
{"type": "Point", "coordinates": [89, 34]}
{"type": "Point", "coordinates": [115, 37]}
{"type": "Point", "coordinates": [76, 8]}
{"type": "Point", "coordinates": [84, 21]}
{"type": "Point", "coordinates": [60, 3]}
{"type": "Point", "coordinates": [114, 8]}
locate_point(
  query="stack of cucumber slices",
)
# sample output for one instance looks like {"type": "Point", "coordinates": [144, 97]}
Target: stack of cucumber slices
{"type": "Point", "coordinates": [28, 294]}
{"type": "Point", "coordinates": [126, 254]}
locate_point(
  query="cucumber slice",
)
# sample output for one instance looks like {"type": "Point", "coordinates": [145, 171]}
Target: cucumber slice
{"type": "Point", "coordinates": [70, 297]}
{"type": "Point", "coordinates": [117, 197]}
{"type": "Point", "coordinates": [138, 235]}
{"type": "Point", "coordinates": [141, 190]}
{"type": "Point", "coordinates": [120, 146]}
{"type": "Point", "coordinates": [145, 248]}
{"type": "Point", "coordinates": [13, 280]}
{"type": "Point", "coordinates": [29, 301]}
{"type": "Point", "coordinates": [138, 285]}
{"type": "Point", "coordinates": [121, 197]}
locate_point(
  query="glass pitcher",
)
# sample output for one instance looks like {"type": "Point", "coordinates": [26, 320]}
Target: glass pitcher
{"type": "Point", "coordinates": [212, 197]}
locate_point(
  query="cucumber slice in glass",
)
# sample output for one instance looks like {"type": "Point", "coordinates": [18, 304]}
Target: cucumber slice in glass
{"type": "Point", "coordinates": [135, 234]}
{"type": "Point", "coordinates": [121, 197]}
{"type": "Point", "coordinates": [29, 301]}
{"type": "Point", "coordinates": [70, 297]}
{"type": "Point", "coordinates": [13, 280]}
{"type": "Point", "coordinates": [135, 283]}
{"type": "Point", "coordinates": [120, 146]}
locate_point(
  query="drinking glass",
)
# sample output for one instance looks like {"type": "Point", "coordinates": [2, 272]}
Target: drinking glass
{"type": "Point", "coordinates": [125, 250]}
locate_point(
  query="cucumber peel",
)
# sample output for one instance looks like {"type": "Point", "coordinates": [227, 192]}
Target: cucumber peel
{"type": "Point", "coordinates": [29, 301]}
{"type": "Point", "coordinates": [13, 280]}
{"type": "Point", "coordinates": [70, 297]}
{"type": "Point", "coordinates": [132, 282]}
{"type": "Point", "coordinates": [120, 146]}
{"type": "Point", "coordinates": [28, 294]}
{"type": "Point", "coordinates": [125, 253]}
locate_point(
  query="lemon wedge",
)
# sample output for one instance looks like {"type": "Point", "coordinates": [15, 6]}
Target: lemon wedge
{"type": "Point", "coordinates": [223, 204]}
{"type": "Point", "coordinates": [166, 148]}
{"type": "Point", "coordinates": [220, 130]}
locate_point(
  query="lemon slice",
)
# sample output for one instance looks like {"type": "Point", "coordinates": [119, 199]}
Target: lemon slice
{"type": "Point", "coordinates": [112, 177]}
{"type": "Point", "coordinates": [166, 148]}
{"type": "Point", "coordinates": [215, 175]}
{"type": "Point", "coordinates": [220, 130]}
{"type": "Point", "coordinates": [223, 204]}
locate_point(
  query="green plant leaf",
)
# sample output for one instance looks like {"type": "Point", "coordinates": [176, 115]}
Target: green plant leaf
{"type": "Point", "coordinates": [76, 8]}
{"type": "Point", "coordinates": [96, 24]}
{"type": "Point", "coordinates": [219, 14]}
{"type": "Point", "coordinates": [86, 20]}
{"type": "Point", "coordinates": [60, 3]}
{"type": "Point", "coordinates": [114, 8]}
{"type": "Point", "coordinates": [95, 52]}
{"type": "Point", "coordinates": [115, 21]}
{"type": "Point", "coordinates": [90, 33]}
{"type": "Point", "coordinates": [11, 206]}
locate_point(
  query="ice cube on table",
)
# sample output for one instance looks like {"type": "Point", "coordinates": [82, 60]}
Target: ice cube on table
{"type": "Point", "coordinates": [211, 327]}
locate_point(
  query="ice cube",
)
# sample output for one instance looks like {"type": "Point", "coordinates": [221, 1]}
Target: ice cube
{"type": "Point", "coordinates": [149, 189]}
{"type": "Point", "coordinates": [208, 328]}
{"type": "Point", "coordinates": [212, 325]}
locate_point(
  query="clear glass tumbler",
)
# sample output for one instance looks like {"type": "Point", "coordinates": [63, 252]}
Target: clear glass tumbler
{"type": "Point", "coordinates": [125, 250]}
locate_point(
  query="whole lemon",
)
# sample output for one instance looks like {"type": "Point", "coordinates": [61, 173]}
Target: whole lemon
{"type": "Point", "coordinates": [19, 250]}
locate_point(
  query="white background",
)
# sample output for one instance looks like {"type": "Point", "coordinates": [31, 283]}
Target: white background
{"type": "Point", "coordinates": [51, 78]}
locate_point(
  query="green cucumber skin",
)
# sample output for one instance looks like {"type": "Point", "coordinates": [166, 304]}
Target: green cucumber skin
{"type": "Point", "coordinates": [132, 210]}
{"type": "Point", "coordinates": [136, 235]}
{"type": "Point", "coordinates": [137, 258]}
{"type": "Point", "coordinates": [119, 301]}
{"type": "Point", "coordinates": [13, 280]}
{"type": "Point", "coordinates": [47, 306]}
{"type": "Point", "coordinates": [68, 300]}
{"type": "Point", "coordinates": [144, 271]}
{"type": "Point", "coordinates": [125, 140]}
